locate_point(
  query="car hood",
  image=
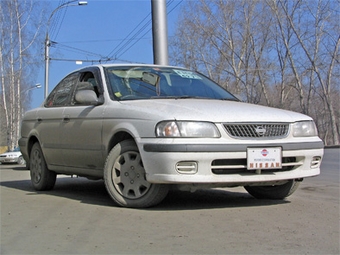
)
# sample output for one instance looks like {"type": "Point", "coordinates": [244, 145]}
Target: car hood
{"type": "Point", "coordinates": [209, 110]}
{"type": "Point", "coordinates": [15, 153]}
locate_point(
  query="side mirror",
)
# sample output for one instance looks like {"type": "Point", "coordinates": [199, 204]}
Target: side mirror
{"type": "Point", "coordinates": [87, 97]}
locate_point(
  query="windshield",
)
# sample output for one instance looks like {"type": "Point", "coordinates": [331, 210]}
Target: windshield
{"type": "Point", "coordinates": [129, 83]}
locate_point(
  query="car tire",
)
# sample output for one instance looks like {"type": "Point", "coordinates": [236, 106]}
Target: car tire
{"type": "Point", "coordinates": [125, 178]}
{"type": "Point", "coordinates": [278, 192]}
{"type": "Point", "coordinates": [21, 161]}
{"type": "Point", "coordinates": [41, 177]}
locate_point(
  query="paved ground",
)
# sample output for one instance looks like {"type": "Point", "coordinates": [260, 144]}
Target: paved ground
{"type": "Point", "coordinates": [78, 217]}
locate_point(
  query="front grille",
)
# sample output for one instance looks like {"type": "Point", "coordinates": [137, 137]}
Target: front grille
{"type": "Point", "coordinates": [260, 130]}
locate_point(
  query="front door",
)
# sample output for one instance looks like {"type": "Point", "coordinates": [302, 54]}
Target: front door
{"type": "Point", "coordinates": [82, 127]}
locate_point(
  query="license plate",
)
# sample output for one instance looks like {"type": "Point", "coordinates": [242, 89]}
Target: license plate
{"type": "Point", "coordinates": [264, 158]}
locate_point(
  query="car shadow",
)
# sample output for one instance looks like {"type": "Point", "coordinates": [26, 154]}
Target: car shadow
{"type": "Point", "coordinates": [94, 192]}
{"type": "Point", "coordinates": [79, 189]}
{"type": "Point", "coordinates": [212, 198]}
{"type": "Point", "coordinates": [20, 168]}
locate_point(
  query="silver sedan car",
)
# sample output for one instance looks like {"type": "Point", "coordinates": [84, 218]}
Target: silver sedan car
{"type": "Point", "coordinates": [12, 157]}
{"type": "Point", "coordinates": [147, 128]}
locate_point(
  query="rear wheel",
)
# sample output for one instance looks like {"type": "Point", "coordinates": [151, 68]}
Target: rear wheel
{"type": "Point", "coordinates": [273, 192]}
{"type": "Point", "coordinates": [41, 177]}
{"type": "Point", "coordinates": [125, 178]}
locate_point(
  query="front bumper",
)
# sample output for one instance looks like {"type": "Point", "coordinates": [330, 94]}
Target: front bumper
{"type": "Point", "coordinates": [23, 145]}
{"type": "Point", "coordinates": [8, 160]}
{"type": "Point", "coordinates": [163, 161]}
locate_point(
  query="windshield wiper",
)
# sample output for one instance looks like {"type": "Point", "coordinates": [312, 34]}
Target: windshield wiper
{"type": "Point", "coordinates": [230, 99]}
{"type": "Point", "coordinates": [179, 97]}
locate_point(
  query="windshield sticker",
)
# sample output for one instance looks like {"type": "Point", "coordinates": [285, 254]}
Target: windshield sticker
{"type": "Point", "coordinates": [187, 74]}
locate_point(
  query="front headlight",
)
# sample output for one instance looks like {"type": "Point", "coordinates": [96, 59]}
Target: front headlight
{"type": "Point", "coordinates": [186, 129]}
{"type": "Point", "coordinates": [304, 128]}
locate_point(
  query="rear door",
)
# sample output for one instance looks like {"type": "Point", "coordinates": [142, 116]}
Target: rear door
{"type": "Point", "coordinates": [49, 119]}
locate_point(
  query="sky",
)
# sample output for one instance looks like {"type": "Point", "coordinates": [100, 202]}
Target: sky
{"type": "Point", "coordinates": [118, 29]}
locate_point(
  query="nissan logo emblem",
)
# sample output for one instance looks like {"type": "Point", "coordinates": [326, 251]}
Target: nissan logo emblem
{"type": "Point", "coordinates": [260, 130]}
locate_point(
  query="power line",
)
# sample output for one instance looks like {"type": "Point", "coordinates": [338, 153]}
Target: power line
{"type": "Point", "coordinates": [125, 44]}
{"type": "Point", "coordinates": [94, 60]}
{"type": "Point", "coordinates": [168, 5]}
{"type": "Point", "coordinates": [137, 33]}
{"type": "Point", "coordinates": [128, 35]}
{"type": "Point", "coordinates": [134, 38]}
{"type": "Point", "coordinates": [103, 40]}
{"type": "Point", "coordinates": [77, 50]}
{"type": "Point", "coordinates": [74, 60]}
{"type": "Point", "coordinates": [64, 11]}
{"type": "Point", "coordinates": [55, 25]}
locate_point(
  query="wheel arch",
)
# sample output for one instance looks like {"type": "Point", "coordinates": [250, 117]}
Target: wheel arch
{"type": "Point", "coordinates": [31, 141]}
{"type": "Point", "coordinates": [117, 138]}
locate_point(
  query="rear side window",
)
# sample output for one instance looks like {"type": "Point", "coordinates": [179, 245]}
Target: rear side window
{"type": "Point", "coordinates": [61, 95]}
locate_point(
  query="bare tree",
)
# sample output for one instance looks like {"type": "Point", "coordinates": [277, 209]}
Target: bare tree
{"type": "Point", "coordinates": [228, 40]}
{"type": "Point", "coordinates": [316, 31]}
{"type": "Point", "coordinates": [280, 53]}
{"type": "Point", "coordinates": [19, 27]}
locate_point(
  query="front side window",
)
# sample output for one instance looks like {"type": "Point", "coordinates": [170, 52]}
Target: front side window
{"type": "Point", "coordinates": [87, 82]}
{"type": "Point", "coordinates": [143, 82]}
{"type": "Point", "coordinates": [61, 95]}
{"type": "Point", "coordinates": [91, 78]}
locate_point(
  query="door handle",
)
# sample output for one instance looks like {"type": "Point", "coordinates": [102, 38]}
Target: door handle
{"type": "Point", "coordinates": [39, 119]}
{"type": "Point", "coordinates": [66, 118]}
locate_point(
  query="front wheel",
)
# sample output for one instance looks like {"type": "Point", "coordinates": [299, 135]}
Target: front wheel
{"type": "Point", "coordinates": [41, 177]}
{"type": "Point", "coordinates": [21, 161]}
{"type": "Point", "coordinates": [125, 178]}
{"type": "Point", "coordinates": [273, 192]}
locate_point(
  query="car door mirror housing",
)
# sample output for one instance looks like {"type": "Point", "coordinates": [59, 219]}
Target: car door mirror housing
{"type": "Point", "coordinates": [87, 97]}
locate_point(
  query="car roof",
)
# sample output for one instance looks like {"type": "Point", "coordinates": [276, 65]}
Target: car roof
{"type": "Point", "coordinates": [136, 64]}
{"type": "Point", "coordinates": [126, 65]}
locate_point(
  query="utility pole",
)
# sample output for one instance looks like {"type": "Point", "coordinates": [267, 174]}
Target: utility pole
{"type": "Point", "coordinates": [159, 32]}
